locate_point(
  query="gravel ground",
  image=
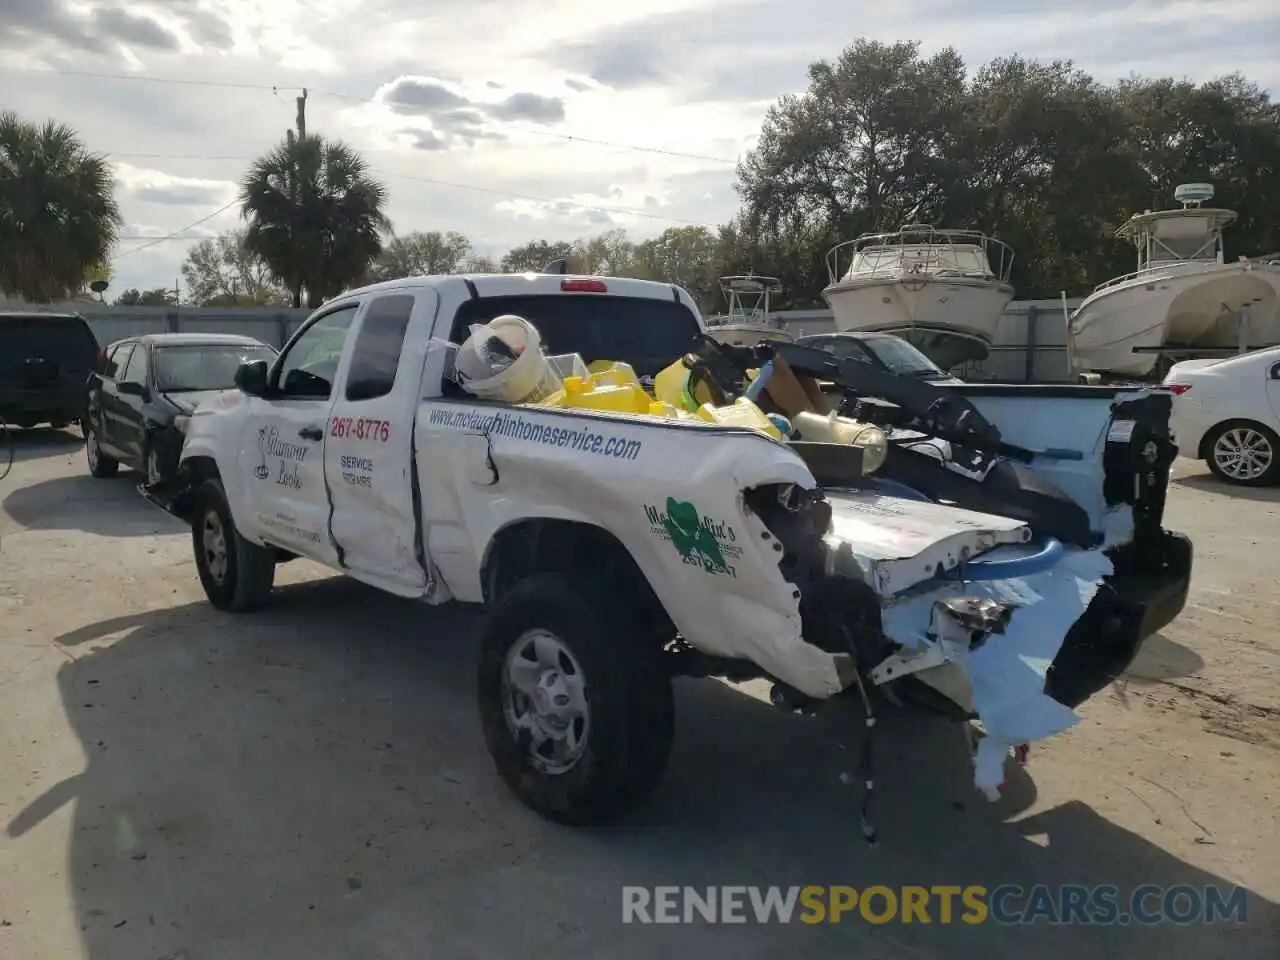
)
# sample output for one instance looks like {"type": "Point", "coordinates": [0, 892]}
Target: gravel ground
{"type": "Point", "coordinates": [310, 782]}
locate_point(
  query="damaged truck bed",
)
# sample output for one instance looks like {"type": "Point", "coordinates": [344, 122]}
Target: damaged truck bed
{"type": "Point", "coordinates": [998, 561]}
{"type": "Point", "coordinates": [1010, 563]}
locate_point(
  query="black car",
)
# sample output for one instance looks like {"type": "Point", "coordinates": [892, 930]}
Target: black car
{"type": "Point", "coordinates": [45, 363]}
{"type": "Point", "coordinates": [147, 388]}
{"type": "Point", "coordinates": [883, 351]}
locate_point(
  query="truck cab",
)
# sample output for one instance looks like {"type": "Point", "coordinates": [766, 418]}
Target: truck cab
{"type": "Point", "coordinates": [314, 452]}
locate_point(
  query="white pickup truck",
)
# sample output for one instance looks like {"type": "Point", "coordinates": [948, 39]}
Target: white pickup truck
{"type": "Point", "coordinates": [616, 551]}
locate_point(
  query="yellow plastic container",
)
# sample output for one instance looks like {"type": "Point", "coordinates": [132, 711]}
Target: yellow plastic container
{"type": "Point", "coordinates": [613, 373]}
{"type": "Point", "coordinates": [671, 385]}
{"type": "Point", "coordinates": [619, 399]}
{"type": "Point", "coordinates": [741, 413]}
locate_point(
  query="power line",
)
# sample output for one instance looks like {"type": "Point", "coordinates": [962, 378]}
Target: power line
{"type": "Point", "coordinates": [355, 98]}
{"type": "Point", "coordinates": [453, 185]}
{"type": "Point", "coordinates": [147, 78]}
{"type": "Point", "coordinates": [176, 235]}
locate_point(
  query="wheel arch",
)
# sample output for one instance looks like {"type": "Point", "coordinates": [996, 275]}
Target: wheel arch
{"type": "Point", "coordinates": [541, 545]}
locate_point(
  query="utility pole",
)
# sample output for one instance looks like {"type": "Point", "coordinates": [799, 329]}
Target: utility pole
{"type": "Point", "coordinates": [302, 115]}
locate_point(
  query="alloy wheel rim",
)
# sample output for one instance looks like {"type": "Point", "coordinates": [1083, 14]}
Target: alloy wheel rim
{"type": "Point", "coordinates": [546, 702]}
{"type": "Point", "coordinates": [91, 448]}
{"type": "Point", "coordinates": [1243, 453]}
{"type": "Point", "coordinates": [213, 541]}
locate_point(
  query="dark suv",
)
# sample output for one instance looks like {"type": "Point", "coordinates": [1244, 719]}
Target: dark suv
{"type": "Point", "coordinates": [45, 362]}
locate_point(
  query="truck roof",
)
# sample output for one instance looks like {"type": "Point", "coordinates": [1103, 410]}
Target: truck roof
{"type": "Point", "coordinates": [516, 284]}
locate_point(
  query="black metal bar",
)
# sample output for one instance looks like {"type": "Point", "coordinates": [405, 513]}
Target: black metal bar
{"type": "Point", "coordinates": [1029, 360]}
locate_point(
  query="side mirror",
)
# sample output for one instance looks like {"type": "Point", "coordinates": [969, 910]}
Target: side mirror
{"type": "Point", "coordinates": [251, 378]}
{"type": "Point", "coordinates": [130, 389]}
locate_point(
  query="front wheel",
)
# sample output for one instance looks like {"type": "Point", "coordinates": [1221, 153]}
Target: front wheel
{"type": "Point", "coordinates": [576, 705]}
{"type": "Point", "coordinates": [1244, 453]}
{"type": "Point", "coordinates": [236, 575]}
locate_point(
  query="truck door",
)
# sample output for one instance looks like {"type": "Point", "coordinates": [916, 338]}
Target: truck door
{"type": "Point", "coordinates": [369, 463]}
{"type": "Point", "coordinates": [281, 455]}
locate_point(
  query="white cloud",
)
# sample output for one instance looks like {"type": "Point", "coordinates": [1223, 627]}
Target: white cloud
{"type": "Point", "coordinates": [155, 187]}
{"type": "Point", "coordinates": [494, 117]}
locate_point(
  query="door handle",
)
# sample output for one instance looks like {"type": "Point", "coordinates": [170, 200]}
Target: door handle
{"type": "Point", "coordinates": [311, 433]}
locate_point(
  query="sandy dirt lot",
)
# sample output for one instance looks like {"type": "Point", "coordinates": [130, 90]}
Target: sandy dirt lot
{"type": "Point", "coordinates": [310, 781]}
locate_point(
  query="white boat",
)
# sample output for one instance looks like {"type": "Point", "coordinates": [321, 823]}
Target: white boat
{"type": "Point", "coordinates": [1184, 297]}
{"type": "Point", "coordinates": [748, 320]}
{"type": "Point", "coordinates": [944, 291]}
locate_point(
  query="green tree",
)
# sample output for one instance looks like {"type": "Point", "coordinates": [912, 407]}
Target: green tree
{"type": "Point", "coordinates": [1038, 154]}
{"type": "Point", "coordinates": [58, 215]}
{"type": "Point", "coordinates": [1225, 131]}
{"type": "Point", "coordinates": [315, 216]}
{"type": "Point", "coordinates": [422, 254]}
{"type": "Point", "coordinates": [158, 297]}
{"type": "Point", "coordinates": [1041, 160]}
{"type": "Point", "coordinates": [682, 255]}
{"type": "Point", "coordinates": [535, 255]}
{"type": "Point", "coordinates": [606, 254]}
{"type": "Point", "coordinates": [224, 272]}
{"type": "Point", "coordinates": [864, 148]}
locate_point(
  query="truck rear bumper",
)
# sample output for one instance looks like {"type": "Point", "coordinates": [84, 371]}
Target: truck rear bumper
{"type": "Point", "coordinates": [1123, 614]}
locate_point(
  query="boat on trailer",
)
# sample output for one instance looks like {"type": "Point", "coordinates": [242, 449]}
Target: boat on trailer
{"type": "Point", "coordinates": [1183, 301]}
{"type": "Point", "coordinates": [942, 290]}
{"type": "Point", "coordinates": [749, 319]}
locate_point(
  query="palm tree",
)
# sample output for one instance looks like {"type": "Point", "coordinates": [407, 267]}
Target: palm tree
{"type": "Point", "coordinates": [315, 216]}
{"type": "Point", "coordinates": [58, 215]}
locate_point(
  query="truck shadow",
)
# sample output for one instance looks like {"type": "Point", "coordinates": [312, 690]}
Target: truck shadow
{"type": "Point", "coordinates": [310, 781]}
{"type": "Point", "coordinates": [1161, 659]}
{"type": "Point", "coordinates": [110, 507]}
{"type": "Point", "coordinates": [38, 442]}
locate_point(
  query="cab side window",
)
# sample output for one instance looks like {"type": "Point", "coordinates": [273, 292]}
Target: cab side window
{"type": "Point", "coordinates": [376, 355]}
{"type": "Point", "coordinates": [1275, 372]}
{"type": "Point", "coordinates": [136, 371]}
{"type": "Point", "coordinates": [309, 364]}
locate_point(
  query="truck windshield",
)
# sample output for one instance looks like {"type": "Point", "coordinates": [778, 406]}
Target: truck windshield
{"type": "Point", "coordinates": [648, 334]}
{"type": "Point", "coordinates": [204, 366]}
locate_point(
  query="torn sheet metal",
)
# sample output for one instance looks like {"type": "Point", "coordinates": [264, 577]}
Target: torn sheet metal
{"type": "Point", "coordinates": [1006, 672]}
{"type": "Point", "coordinates": [897, 543]}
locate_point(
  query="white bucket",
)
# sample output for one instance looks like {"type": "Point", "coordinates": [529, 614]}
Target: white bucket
{"type": "Point", "coordinates": [527, 379]}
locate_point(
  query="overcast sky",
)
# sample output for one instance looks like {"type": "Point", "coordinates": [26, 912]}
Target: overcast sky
{"type": "Point", "coordinates": [479, 114]}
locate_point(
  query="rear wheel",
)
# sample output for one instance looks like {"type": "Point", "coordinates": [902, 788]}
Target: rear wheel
{"type": "Point", "coordinates": [575, 702]}
{"type": "Point", "coordinates": [100, 465]}
{"type": "Point", "coordinates": [236, 575]}
{"type": "Point", "coordinates": [1244, 453]}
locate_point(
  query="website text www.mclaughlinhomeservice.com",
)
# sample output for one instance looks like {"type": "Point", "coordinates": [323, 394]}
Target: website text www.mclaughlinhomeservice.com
{"type": "Point", "coordinates": [516, 427]}
{"type": "Point", "coordinates": [1005, 904]}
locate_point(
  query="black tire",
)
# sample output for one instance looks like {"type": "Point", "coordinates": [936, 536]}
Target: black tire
{"type": "Point", "coordinates": [1263, 436]}
{"type": "Point", "coordinates": [101, 466]}
{"type": "Point", "coordinates": [244, 579]}
{"type": "Point", "coordinates": [628, 694]}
